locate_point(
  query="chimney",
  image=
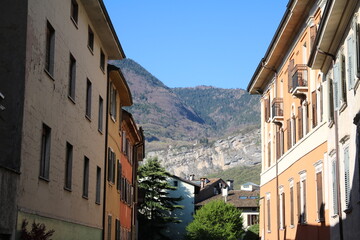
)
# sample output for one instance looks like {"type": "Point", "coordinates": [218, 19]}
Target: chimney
{"type": "Point", "coordinates": [192, 177]}
{"type": "Point", "coordinates": [230, 183]}
{"type": "Point", "coordinates": [202, 183]}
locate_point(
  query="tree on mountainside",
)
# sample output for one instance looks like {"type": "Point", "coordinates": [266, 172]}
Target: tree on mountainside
{"type": "Point", "coordinates": [216, 220]}
{"type": "Point", "coordinates": [155, 212]}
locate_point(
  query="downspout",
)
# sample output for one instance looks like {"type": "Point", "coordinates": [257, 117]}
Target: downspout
{"type": "Point", "coordinates": [106, 145]}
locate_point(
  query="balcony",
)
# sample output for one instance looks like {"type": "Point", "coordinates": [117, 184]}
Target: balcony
{"type": "Point", "coordinates": [277, 110]}
{"type": "Point", "coordinates": [298, 84]}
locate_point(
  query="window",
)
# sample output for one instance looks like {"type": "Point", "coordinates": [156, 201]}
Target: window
{"type": "Point", "coordinates": [293, 131]}
{"type": "Point", "coordinates": [90, 39]}
{"type": "Point", "coordinates": [357, 27]}
{"type": "Point", "coordinates": [303, 199]}
{"type": "Point", "coordinates": [340, 82]}
{"type": "Point", "coordinates": [176, 183]}
{"type": "Point", "coordinates": [269, 153]}
{"type": "Point", "coordinates": [319, 193]}
{"type": "Point", "coordinates": [300, 122]}
{"type": "Point", "coordinates": [88, 98]}
{"type": "Point", "coordinates": [252, 219]}
{"type": "Point", "coordinates": [45, 152]}
{"type": "Point", "coordinates": [113, 94]}
{"type": "Point", "coordinates": [98, 185]}
{"type": "Point", "coordinates": [279, 142]}
{"type": "Point", "coordinates": [111, 165]}
{"type": "Point", "coordinates": [50, 49]}
{"type": "Point", "coordinates": [282, 209]}
{"type": "Point", "coordinates": [124, 141]}
{"type": "Point", "coordinates": [347, 177]}
{"type": "Point", "coordinates": [117, 229]}
{"type": "Point", "coordinates": [102, 60]}
{"type": "Point", "coordinates": [109, 227]}
{"type": "Point", "coordinates": [268, 213]}
{"type": "Point", "coordinates": [267, 109]}
{"type": "Point", "coordinates": [100, 117]}
{"type": "Point", "coordinates": [74, 11]}
{"type": "Point", "coordinates": [289, 139]}
{"type": "Point", "coordinates": [331, 100]}
{"type": "Point", "coordinates": [292, 205]}
{"type": "Point", "coordinates": [86, 178]}
{"type": "Point", "coordinates": [72, 77]}
{"type": "Point", "coordinates": [119, 175]}
{"type": "Point", "coordinates": [334, 187]}
{"type": "Point", "coordinates": [298, 196]}
{"type": "Point", "coordinates": [68, 166]}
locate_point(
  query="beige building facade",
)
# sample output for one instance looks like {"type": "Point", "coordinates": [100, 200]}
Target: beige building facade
{"type": "Point", "coordinates": [337, 56]}
{"type": "Point", "coordinates": [53, 128]}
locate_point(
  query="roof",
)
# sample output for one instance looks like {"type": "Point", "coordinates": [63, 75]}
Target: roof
{"type": "Point", "coordinates": [120, 82]}
{"type": "Point", "coordinates": [234, 198]}
{"type": "Point", "coordinates": [186, 181]}
{"type": "Point", "coordinates": [295, 14]}
{"type": "Point", "coordinates": [134, 131]}
{"type": "Point", "coordinates": [333, 25]}
{"type": "Point", "coordinates": [99, 17]}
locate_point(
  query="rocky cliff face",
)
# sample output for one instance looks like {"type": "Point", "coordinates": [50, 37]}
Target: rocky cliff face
{"type": "Point", "coordinates": [200, 159]}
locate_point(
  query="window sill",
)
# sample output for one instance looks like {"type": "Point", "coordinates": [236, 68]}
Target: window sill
{"type": "Point", "coordinates": [74, 22]}
{"type": "Point", "coordinates": [348, 210]}
{"type": "Point", "coordinates": [88, 118]}
{"type": "Point", "coordinates": [44, 179]}
{"type": "Point", "coordinates": [102, 69]}
{"type": "Point", "coordinates": [85, 197]}
{"type": "Point", "coordinates": [97, 203]}
{"type": "Point", "coordinates": [100, 131]}
{"type": "Point", "coordinates": [67, 189]}
{"type": "Point", "coordinates": [334, 216]}
{"type": "Point", "coordinates": [356, 86]}
{"type": "Point", "coordinates": [292, 226]}
{"type": "Point", "coordinates": [91, 50]}
{"type": "Point", "coordinates": [343, 107]}
{"type": "Point", "coordinates": [113, 119]}
{"type": "Point", "coordinates": [71, 99]}
{"type": "Point", "coordinates": [331, 123]}
{"type": "Point", "coordinates": [282, 229]}
{"type": "Point", "coordinates": [49, 74]}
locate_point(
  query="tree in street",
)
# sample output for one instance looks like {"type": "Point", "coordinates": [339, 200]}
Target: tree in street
{"type": "Point", "coordinates": [216, 220]}
{"type": "Point", "coordinates": [155, 212]}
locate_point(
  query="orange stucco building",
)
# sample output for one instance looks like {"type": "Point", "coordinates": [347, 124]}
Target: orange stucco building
{"type": "Point", "coordinates": [124, 148]}
{"type": "Point", "coordinates": [294, 130]}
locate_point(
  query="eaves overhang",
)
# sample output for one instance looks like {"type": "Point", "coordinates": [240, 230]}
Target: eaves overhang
{"type": "Point", "coordinates": [134, 131]}
{"type": "Point", "coordinates": [295, 15]}
{"type": "Point", "coordinates": [333, 25]}
{"type": "Point", "coordinates": [119, 81]}
{"type": "Point", "coordinates": [103, 27]}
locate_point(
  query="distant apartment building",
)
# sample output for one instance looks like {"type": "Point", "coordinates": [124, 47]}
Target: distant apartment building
{"type": "Point", "coordinates": [55, 125]}
{"type": "Point", "coordinates": [337, 55]}
{"type": "Point", "coordinates": [187, 190]}
{"type": "Point", "coordinates": [294, 130]}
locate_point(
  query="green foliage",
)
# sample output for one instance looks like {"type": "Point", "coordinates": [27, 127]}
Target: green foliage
{"type": "Point", "coordinates": [252, 233]}
{"type": "Point", "coordinates": [38, 231]}
{"type": "Point", "coordinates": [155, 211]}
{"type": "Point", "coordinates": [240, 174]}
{"type": "Point", "coordinates": [216, 220]}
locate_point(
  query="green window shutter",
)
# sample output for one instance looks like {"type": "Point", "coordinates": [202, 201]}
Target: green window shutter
{"type": "Point", "coordinates": [347, 177]}
{"type": "Point", "coordinates": [334, 189]}
{"type": "Point", "coordinates": [350, 53]}
{"type": "Point", "coordinates": [336, 86]}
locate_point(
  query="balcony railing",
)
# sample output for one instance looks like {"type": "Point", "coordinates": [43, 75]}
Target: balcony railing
{"type": "Point", "coordinates": [299, 80]}
{"type": "Point", "coordinates": [277, 109]}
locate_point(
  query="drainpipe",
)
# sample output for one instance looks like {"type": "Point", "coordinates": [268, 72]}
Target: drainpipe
{"type": "Point", "coordinates": [106, 145]}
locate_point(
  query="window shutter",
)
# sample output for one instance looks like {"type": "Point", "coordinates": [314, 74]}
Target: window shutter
{"type": "Point", "coordinates": [123, 141]}
{"type": "Point", "coordinates": [292, 206]}
{"type": "Point", "coordinates": [336, 86]}
{"type": "Point", "coordinates": [313, 31]}
{"type": "Point", "coordinates": [343, 78]}
{"type": "Point", "coordinates": [347, 177]}
{"type": "Point", "coordinates": [298, 201]}
{"type": "Point", "coordinates": [283, 210]}
{"type": "Point", "coordinates": [350, 53]}
{"type": "Point", "coordinates": [268, 215]}
{"type": "Point", "coordinates": [300, 122]}
{"type": "Point", "coordinates": [334, 189]}
{"type": "Point", "coordinates": [314, 108]}
{"type": "Point", "coordinates": [358, 50]}
{"type": "Point", "coordinates": [109, 164]}
{"type": "Point", "coordinates": [304, 203]}
{"type": "Point", "coordinates": [293, 128]}
{"type": "Point", "coordinates": [290, 74]}
{"type": "Point", "coordinates": [319, 196]}
{"type": "Point", "coordinates": [331, 100]}
{"type": "Point", "coordinates": [288, 134]}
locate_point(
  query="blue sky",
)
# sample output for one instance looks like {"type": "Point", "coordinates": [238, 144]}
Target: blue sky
{"type": "Point", "coordinates": [186, 43]}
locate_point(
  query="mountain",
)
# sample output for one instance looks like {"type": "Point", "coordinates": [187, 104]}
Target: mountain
{"type": "Point", "coordinates": [196, 130]}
